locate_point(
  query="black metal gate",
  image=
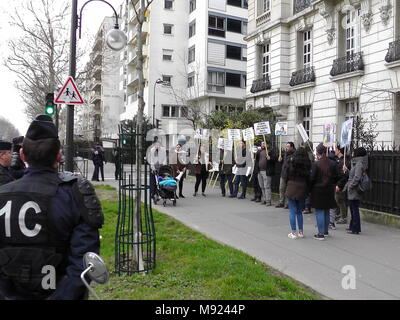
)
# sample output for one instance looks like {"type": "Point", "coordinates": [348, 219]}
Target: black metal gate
{"type": "Point", "coordinates": [135, 241]}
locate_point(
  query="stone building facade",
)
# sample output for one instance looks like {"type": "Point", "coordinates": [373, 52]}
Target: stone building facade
{"type": "Point", "coordinates": [322, 61]}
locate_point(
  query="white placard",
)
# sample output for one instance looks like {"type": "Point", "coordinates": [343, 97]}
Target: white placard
{"type": "Point", "coordinates": [248, 134]}
{"type": "Point", "coordinates": [281, 129]}
{"type": "Point", "coordinates": [302, 132]}
{"type": "Point", "coordinates": [234, 134]}
{"type": "Point", "coordinates": [220, 144]}
{"type": "Point", "coordinates": [228, 144]}
{"type": "Point", "coordinates": [262, 128]}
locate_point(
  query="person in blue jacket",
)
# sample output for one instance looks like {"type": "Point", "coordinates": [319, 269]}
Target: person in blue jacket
{"type": "Point", "coordinates": [50, 221]}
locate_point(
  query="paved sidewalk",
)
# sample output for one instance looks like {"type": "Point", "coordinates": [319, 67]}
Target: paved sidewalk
{"type": "Point", "coordinates": [262, 232]}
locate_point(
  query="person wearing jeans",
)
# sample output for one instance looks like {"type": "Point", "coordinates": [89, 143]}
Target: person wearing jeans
{"type": "Point", "coordinates": [324, 175]}
{"type": "Point", "coordinates": [298, 175]}
{"type": "Point", "coordinates": [266, 166]}
{"type": "Point", "coordinates": [290, 149]}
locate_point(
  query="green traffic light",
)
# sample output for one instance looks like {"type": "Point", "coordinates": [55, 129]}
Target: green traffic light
{"type": "Point", "coordinates": [49, 110]}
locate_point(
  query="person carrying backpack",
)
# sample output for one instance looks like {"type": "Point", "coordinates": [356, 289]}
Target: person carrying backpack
{"type": "Point", "coordinates": [359, 166]}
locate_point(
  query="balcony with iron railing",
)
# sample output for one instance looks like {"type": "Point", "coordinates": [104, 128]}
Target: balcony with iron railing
{"type": "Point", "coordinates": [300, 5]}
{"type": "Point", "coordinates": [350, 63]}
{"type": "Point", "coordinates": [393, 53]}
{"type": "Point", "coordinates": [260, 85]}
{"type": "Point", "coordinates": [306, 75]}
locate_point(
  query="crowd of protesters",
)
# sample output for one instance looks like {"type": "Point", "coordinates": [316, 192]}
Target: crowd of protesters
{"type": "Point", "coordinates": [311, 181]}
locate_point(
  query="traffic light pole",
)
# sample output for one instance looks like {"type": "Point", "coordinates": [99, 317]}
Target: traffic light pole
{"type": "Point", "coordinates": [56, 116]}
{"type": "Point", "coordinates": [69, 148]}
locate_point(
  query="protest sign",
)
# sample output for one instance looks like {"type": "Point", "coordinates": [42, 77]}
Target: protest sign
{"type": "Point", "coordinates": [262, 128]}
{"type": "Point", "coordinates": [347, 128]}
{"type": "Point", "coordinates": [234, 134]}
{"type": "Point", "coordinates": [248, 134]}
{"type": "Point", "coordinates": [281, 129]}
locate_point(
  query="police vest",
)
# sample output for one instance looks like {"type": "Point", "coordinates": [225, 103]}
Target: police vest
{"type": "Point", "coordinates": [28, 239]}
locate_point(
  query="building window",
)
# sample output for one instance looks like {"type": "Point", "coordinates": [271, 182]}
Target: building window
{"type": "Point", "coordinates": [351, 109]}
{"type": "Point", "coordinates": [263, 6]}
{"type": "Point", "coordinates": [233, 52]}
{"type": "Point", "coordinates": [266, 60]}
{"type": "Point", "coordinates": [168, 28]}
{"type": "Point", "coordinates": [169, 111]}
{"type": "Point", "coordinates": [216, 81]}
{"type": "Point", "coordinates": [192, 54]}
{"type": "Point", "coordinates": [244, 28]}
{"type": "Point", "coordinates": [192, 28]}
{"type": "Point", "coordinates": [234, 25]}
{"type": "Point", "coordinates": [192, 5]}
{"type": "Point", "coordinates": [167, 54]}
{"type": "Point", "coordinates": [238, 3]}
{"type": "Point", "coordinates": [305, 118]}
{"type": "Point", "coordinates": [229, 108]}
{"type": "Point", "coordinates": [191, 80]}
{"type": "Point", "coordinates": [166, 78]}
{"type": "Point", "coordinates": [168, 4]}
{"type": "Point", "coordinates": [349, 36]}
{"type": "Point", "coordinates": [233, 80]}
{"type": "Point", "coordinates": [307, 49]}
{"type": "Point", "coordinates": [216, 26]}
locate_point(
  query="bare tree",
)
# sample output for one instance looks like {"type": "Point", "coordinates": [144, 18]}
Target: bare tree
{"type": "Point", "coordinates": [189, 97]}
{"type": "Point", "coordinates": [7, 130]}
{"type": "Point", "coordinates": [141, 18]}
{"type": "Point", "coordinates": [40, 55]}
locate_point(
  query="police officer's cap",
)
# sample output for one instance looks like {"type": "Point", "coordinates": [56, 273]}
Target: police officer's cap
{"type": "Point", "coordinates": [42, 128]}
{"type": "Point", "coordinates": [17, 140]}
{"type": "Point", "coordinates": [5, 146]}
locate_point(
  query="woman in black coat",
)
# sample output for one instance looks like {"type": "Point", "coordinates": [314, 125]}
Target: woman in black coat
{"type": "Point", "coordinates": [323, 180]}
{"type": "Point", "coordinates": [297, 187]}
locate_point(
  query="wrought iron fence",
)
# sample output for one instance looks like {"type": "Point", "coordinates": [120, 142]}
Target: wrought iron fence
{"type": "Point", "coordinates": [302, 76]}
{"type": "Point", "coordinates": [135, 240]}
{"type": "Point", "coordinates": [384, 172]}
{"type": "Point", "coordinates": [260, 85]}
{"type": "Point", "coordinates": [350, 63]}
{"type": "Point", "coordinates": [393, 53]}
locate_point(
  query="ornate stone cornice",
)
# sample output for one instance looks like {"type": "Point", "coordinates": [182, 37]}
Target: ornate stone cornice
{"type": "Point", "coordinates": [326, 10]}
{"type": "Point", "coordinates": [366, 14]}
{"type": "Point", "coordinates": [385, 10]}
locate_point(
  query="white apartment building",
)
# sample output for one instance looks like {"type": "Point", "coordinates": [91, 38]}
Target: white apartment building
{"type": "Point", "coordinates": [104, 99]}
{"type": "Point", "coordinates": [321, 61]}
{"type": "Point", "coordinates": [196, 46]}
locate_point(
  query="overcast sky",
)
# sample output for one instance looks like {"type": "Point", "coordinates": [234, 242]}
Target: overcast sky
{"type": "Point", "coordinates": [11, 106]}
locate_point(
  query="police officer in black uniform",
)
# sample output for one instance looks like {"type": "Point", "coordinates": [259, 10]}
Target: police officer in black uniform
{"type": "Point", "coordinates": [5, 162]}
{"type": "Point", "coordinates": [49, 222]}
{"type": "Point", "coordinates": [17, 166]}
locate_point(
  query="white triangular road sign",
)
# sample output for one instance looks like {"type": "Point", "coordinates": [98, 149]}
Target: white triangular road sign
{"type": "Point", "coordinates": [69, 93]}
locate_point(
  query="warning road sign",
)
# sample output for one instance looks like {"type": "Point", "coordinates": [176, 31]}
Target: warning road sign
{"type": "Point", "coordinates": [69, 93]}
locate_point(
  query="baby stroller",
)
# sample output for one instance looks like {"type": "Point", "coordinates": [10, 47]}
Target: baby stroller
{"type": "Point", "coordinates": [166, 186]}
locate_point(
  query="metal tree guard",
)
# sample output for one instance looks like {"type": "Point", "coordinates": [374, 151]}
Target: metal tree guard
{"type": "Point", "coordinates": [135, 241]}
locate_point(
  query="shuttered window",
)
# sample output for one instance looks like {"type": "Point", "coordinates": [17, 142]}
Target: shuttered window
{"type": "Point", "coordinates": [216, 53]}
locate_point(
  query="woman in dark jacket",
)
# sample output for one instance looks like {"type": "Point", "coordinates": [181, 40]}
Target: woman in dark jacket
{"type": "Point", "coordinates": [359, 165]}
{"type": "Point", "coordinates": [297, 183]}
{"type": "Point", "coordinates": [201, 171]}
{"type": "Point", "coordinates": [324, 176]}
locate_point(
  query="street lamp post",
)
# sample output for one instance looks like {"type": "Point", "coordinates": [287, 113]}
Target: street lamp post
{"type": "Point", "coordinates": [158, 81]}
{"type": "Point", "coordinates": [115, 39]}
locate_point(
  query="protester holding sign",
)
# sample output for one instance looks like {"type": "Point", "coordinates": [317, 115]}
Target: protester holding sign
{"type": "Point", "coordinates": [266, 164]}
{"type": "Point", "coordinates": [225, 171]}
{"type": "Point", "coordinates": [254, 177]}
{"type": "Point", "coordinates": [242, 162]}
{"type": "Point", "coordinates": [201, 170]}
{"type": "Point", "coordinates": [340, 194]}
